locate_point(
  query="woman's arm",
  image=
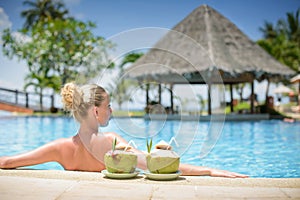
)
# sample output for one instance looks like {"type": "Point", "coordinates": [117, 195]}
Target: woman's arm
{"type": "Point", "coordinates": [192, 170]}
{"type": "Point", "coordinates": [47, 153]}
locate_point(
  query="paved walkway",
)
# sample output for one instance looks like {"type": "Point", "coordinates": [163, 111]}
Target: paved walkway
{"type": "Point", "coordinates": [48, 184]}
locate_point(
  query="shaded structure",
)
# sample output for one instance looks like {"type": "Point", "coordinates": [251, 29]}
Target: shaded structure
{"type": "Point", "coordinates": [296, 79]}
{"type": "Point", "coordinates": [206, 48]}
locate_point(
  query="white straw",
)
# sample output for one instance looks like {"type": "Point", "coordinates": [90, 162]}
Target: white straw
{"type": "Point", "coordinates": [130, 142]}
{"type": "Point", "coordinates": [173, 140]}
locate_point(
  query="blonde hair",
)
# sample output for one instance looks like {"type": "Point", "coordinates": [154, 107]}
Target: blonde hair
{"type": "Point", "coordinates": [78, 100]}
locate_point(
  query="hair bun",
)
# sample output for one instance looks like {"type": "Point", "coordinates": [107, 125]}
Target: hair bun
{"type": "Point", "coordinates": [71, 96]}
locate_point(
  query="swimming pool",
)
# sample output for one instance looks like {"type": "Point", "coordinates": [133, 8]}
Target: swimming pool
{"type": "Point", "coordinates": [268, 148]}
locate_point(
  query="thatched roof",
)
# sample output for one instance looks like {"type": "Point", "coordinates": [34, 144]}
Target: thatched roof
{"type": "Point", "coordinates": [205, 40]}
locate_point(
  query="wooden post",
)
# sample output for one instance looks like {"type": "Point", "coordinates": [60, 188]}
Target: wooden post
{"type": "Point", "coordinates": [147, 94]}
{"type": "Point", "coordinates": [231, 98]}
{"type": "Point", "coordinates": [26, 100]}
{"type": "Point", "coordinates": [209, 98]}
{"type": "Point", "coordinates": [52, 101]}
{"type": "Point", "coordinates": [267, 91]}
{"type": "Point", "coordinates": [159, 93]}
{"type": "Point", "coordinates": [41, 101]}
{"type": "Point", "coordinates": [172, 100]}
{"type": "Point", "coordinates": [252, 98]}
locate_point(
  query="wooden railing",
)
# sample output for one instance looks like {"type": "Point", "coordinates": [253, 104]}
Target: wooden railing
{"type": "Point", "coordinates": [27, 99]}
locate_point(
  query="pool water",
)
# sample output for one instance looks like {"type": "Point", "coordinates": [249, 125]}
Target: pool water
{"type": "Point", "coordinates": [268, 148]}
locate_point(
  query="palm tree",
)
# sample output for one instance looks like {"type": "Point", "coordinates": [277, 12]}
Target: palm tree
{"type": "Point", "coordinates": [121, 90]}
{"type": "Point", "coordinates": [201, 103]}
{"type": "Point", "coordinates": [240, 88]}
{"type": "Point", "coordinates": [289, 27]}
{"type": "Point", "coordinates": [268, 30]}
{"type": "Point", "coordinates": [283, 40]}
{"type": "Point", "coordinates": [130, 58]}
{"type": "Point", "coordinates": [42, 10]}
{"type": "Point", "coordinates": [41, 80]}
{"type": "Point", "coordinates": [294, 26]}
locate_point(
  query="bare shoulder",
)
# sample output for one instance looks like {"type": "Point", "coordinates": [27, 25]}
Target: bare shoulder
{"type": "Point", "coordinates": [61, 143]}
{"type": "Point", "coordinates": [110, 135]}
{"type": "Point", "coordinates": [113, 135]}
{"type": "Point", "coordinates": [65, 148]}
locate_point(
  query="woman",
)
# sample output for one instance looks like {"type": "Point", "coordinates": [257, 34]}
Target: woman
{"type": "Point", "coordinates": [90, 106]}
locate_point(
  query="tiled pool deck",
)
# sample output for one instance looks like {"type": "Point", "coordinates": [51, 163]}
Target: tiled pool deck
{"type": "Point", "coordinates": [51, 184]}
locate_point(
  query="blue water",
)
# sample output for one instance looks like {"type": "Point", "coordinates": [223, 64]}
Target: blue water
{"type": "Point", "coordinates": [260, 149]}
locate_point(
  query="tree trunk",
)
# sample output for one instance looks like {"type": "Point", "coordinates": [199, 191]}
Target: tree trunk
{"type": "Point", "coordinates": [267, 91]}
{"type": "Point", "coordinates": [41, 100]}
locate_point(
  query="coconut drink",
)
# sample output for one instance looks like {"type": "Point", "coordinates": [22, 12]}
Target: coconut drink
{"type": "Point", "coordinates": [162, 160]}
{"type": "Point", "coordinates": [120, 159]}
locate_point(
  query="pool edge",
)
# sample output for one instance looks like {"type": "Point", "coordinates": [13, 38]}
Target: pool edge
{"type": "Point", "coordinates": [183, 180]}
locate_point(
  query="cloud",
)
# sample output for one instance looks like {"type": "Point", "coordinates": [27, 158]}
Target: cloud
{"type": "Point", "coordinates": [4, 20]}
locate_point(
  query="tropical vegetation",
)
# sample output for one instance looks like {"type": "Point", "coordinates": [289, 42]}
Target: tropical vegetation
{"type": "Point", "coordinates": [282, 40]}
{"type": "Point", "coordinates": [120, 89]}
{"type": "Point", "coordinates": [56, 47]}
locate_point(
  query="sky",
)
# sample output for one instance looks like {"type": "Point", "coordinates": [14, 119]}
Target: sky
{"type": "Point", "coordinates": [113, 17]}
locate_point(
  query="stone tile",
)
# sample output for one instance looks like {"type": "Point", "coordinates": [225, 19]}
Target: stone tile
{"type": "Point", "coordinates": [32, 188]}
{"type": "Point", "coordinates": [27, 184]}
{"type": "Point", "coordinates": [291, 192]}
{"type": "Point", "coordinates": [108, 190]}
{"type": "Point", "coordinates": [173, 192]}
{"type": "Point", "coordinates": [238, 192]}
{"type": "Point", "coordinates": [269, 198]}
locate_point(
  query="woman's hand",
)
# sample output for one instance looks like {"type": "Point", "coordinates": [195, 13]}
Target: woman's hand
{"type": "Point", "coordinates": [227, 174]}
{"type": "Point", "coordinates": [3, 162]}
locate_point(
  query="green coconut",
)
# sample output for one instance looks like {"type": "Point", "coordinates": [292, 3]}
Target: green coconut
{"type": "Point", "coordinates": [120, 161]}
{"type": "Point", "coordinates": [163, 161]}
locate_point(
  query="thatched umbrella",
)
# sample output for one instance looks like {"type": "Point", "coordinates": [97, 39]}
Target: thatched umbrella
{"type": "Point", "coordinates": [201, 44]}
{"type": "Point", "coordinates": [296, 79]}
{"type": "Point", "coordinates": [282, 90]}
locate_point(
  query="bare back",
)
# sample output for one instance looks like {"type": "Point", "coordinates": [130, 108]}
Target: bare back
{"type": "Point", "coordinates": [75, 155]}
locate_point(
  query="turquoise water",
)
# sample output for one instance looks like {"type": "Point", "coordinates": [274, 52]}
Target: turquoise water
{"type": "Point", "coordinates": [260, 149]}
